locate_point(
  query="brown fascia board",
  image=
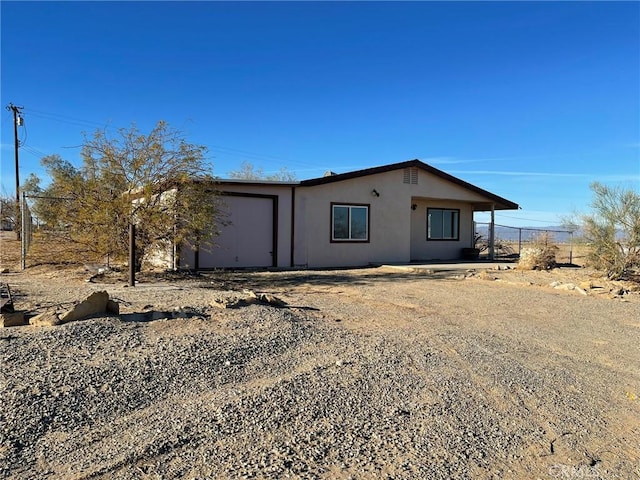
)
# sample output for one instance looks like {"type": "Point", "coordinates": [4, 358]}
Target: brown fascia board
{"type": "Point", "coordinates": [500, 203]}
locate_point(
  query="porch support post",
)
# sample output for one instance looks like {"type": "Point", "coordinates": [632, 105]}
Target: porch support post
{"type": "Point", "coordinates": [492, 233]}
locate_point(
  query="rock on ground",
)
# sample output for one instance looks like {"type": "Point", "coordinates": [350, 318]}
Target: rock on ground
{"type": "Point", "coordinates": [365, 375]}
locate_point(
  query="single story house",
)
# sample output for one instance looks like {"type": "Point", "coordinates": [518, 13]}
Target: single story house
{"type": "Point", "coordinates": [398, 213]}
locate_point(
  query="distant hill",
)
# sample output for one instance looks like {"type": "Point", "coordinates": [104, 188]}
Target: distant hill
{"type": "Point", "coordinates": [526, 234]}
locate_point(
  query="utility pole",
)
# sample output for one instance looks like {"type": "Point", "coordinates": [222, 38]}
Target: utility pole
{"type": "Point", "coordinates": [17, 122]}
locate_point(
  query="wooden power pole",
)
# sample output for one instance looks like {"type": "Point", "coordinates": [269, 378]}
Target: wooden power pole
{"type": "Point", "coordinates": [17, 122]}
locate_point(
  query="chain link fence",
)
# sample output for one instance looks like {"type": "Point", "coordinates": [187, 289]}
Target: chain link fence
{"type": "Point", "coordinates": [41, 243]}
{"type": "Point", "coordinates": [509, 241]}
{"type": "Point", "coordinates": [26, 231]}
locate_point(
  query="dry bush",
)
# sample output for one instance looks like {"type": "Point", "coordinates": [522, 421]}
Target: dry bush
{"type": "Point", "coordinates": [613, 230]}
{"type": "Point", "coordinates": [540, 254]}
{"type": "Point", "coordinates": [52, 248]}
{"type": "Point", "coordinates": [47, 248]}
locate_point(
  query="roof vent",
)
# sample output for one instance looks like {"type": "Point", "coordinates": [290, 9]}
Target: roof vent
{"type": "Point", "coordinates": [410, 175]}
{"type": "Point", "coordinates": [329, 173]}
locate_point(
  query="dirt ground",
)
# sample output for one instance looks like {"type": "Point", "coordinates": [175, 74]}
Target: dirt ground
{"type": "Point", "coordinates": [367, 373]}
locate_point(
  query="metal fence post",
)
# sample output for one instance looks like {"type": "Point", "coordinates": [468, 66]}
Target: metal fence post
{"type": "Point", "coordinates": [570, 248]}
{"type": "Point", "coordinates": [24, 237]}
{"type": "Point", "coordinates": [132, 255]}
{"type": "Point", "coordinates": [492, 234]}
{"type": "Point", "coordinates": [519, 241]}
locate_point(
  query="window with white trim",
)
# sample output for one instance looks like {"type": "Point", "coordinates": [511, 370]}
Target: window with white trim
{"type": "Point", "coordinates": [443, 224]}
{"type": "Point", "coordinates": [349, 223]}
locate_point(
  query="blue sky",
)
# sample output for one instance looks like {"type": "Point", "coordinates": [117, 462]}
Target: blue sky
{"type": "Point", "coordinates": [532, 101]}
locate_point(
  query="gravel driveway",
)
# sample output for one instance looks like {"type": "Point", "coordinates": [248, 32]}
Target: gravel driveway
{"type": "Point", "coordinates": [368, 373]}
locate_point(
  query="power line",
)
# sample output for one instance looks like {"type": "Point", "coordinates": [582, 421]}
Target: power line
{"type": "Point", "coordinates": [34, 151]}
{"type": "Point", "coordinates": [6, 118]}
{"type": "Point", "coordinates": [65, 119]}
{"type": "Point", "coordinates": [256, 156]}
{"type": "Point", "coordinates": [526, 219]}
{"type": "Point", "coordinates": [528, 229]}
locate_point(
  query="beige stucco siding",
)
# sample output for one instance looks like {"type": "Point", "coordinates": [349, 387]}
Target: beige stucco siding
{"type": "Point", "coordinates": [388, 239]}
{"type": "Point", "coordinates": [436, 187]}
{"type": "Point", "coordinates": [389, 222]}
{"type": "Point", "coordinates": [397, 233]}
{"type": "Point", "coordinates": [423, 249]}
{"type": "Point", "coordinates": [300, 229]}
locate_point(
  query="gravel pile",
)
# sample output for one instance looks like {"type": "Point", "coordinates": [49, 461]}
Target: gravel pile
{"type": "Point", "coordinates": [264, 392]}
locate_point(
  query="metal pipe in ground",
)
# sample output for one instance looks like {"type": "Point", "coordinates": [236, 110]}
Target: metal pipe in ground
{"type": "Point", "coordinates": [132, 255]}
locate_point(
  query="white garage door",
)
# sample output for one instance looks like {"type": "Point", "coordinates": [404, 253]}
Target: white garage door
{"type": "Point", "coordinates": [248, 240]}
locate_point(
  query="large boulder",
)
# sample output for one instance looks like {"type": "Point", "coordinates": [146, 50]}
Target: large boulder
{"type": "Point", "coordinates": [46, 319]}
{"type": "Point", "coordinates": [538, 257]}
{"type": "Point", "coordinates": [93, 304]}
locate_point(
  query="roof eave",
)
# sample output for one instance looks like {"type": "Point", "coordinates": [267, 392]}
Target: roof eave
{"type": "Point", "coordinates": [498, 202]}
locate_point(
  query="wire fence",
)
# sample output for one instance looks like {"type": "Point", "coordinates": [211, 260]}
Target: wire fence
{"type": "Point", "coordinates": [26, 234]}
{"type": "Point", "coordinates": [509, 240]}
{"type": "Point", "coordinates": [45, 244]}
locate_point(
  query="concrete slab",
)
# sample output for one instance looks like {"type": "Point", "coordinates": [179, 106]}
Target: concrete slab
{"type": "Point", "coordinates": [451, 266]}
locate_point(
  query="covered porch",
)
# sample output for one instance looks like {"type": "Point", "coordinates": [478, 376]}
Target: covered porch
{"type": "Point", "coordinates": [444, 229]}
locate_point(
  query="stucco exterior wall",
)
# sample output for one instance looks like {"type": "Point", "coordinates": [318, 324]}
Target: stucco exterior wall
{"type": "Point", "coordinates": [388, 226]}
{"type": "Point", "coordinates": [397, 233]}
{"type": "Point", "coordinates": [431, 186]}
{"type": "Point", "coordinates": [423, 249]}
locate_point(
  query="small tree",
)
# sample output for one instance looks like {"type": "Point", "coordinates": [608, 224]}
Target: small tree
{"type": "Point", "coordinates": [613, 229]}
{"type": "Point", "coordinates": [157, 181]}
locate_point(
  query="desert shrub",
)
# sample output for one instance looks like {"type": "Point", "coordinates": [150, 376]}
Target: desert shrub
{"type": "Point", "coordinates": [540, 254]}
{"type": "Point", "coordinates": [613, 230]}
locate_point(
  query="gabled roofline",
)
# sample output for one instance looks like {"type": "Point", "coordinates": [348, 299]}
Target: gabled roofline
{"type": "Point", "coordinates": [500, 202]}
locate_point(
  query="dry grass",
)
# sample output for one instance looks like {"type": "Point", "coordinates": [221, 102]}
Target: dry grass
{"type": "Point", "coordinates": [47, 248]}
{"type": "Point", "coordinates": [575, 254]}
{"type": "Point", "coordinates": [9, 251]}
